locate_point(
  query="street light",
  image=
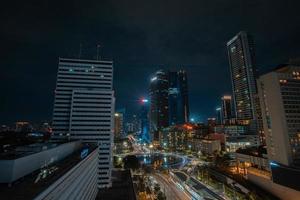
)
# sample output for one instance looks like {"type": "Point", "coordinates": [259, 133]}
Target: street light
{"type": "Point", "coordinates": [151, 147]}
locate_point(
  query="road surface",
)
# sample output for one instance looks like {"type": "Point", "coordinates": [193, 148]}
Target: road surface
{"type": "Point", "coordinates": [169, 187]}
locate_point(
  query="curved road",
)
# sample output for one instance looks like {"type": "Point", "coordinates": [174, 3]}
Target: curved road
{"type": "Point", "coordinates": [169, 187]}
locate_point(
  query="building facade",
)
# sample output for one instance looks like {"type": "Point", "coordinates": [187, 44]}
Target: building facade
{"type": "Point", "coordinates": [279, 93]}
{"type": "Point", "coordinates": [119, 125]}
{"type": "Point", "coordinates": [84, 108]}
{"type": "Point", "coordinates": [178, 98]}
{"type": "Point", "coordinates": [78, 183]}
{"type": "Point", "coordinates": [243, 71]}
{"type": "Point", "coordinates": [159, 111]}
{"type": "Point", "coordinates": [211, 123]}
{"type": "Point", "coordinates": [227, 109]}
{"type": "Point", "coordinates": [144, 121]}
{"type": "Point", "coordinates": [168, 100]}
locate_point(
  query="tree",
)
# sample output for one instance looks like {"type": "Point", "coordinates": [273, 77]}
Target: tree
{"type": "Point", "coordinates": [131, 162]}
{"type": "Point", "coordinates": [117, 163]}
{"type": "Point", "coordinates": [161, 196]}
{"type": "Point", "coordinates": [156, 188]}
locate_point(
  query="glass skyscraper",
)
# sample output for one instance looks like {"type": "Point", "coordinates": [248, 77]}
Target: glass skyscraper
{"type": "Point", "coordinates": [169, 100]}
{"type": "Point", "coordinates": [159, 91]}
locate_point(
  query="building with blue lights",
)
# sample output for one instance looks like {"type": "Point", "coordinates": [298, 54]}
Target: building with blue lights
{"type": "Point", "coordinates": [159, 110]}
{"type": "Point", "coordinates": [178, 98]}
{"type": "Point", "coordinates": [169, 100]}
{"type": "Point", "coordinates": [144, 117]}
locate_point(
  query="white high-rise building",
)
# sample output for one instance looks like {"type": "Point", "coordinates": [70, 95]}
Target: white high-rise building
{"type": "Point", "coordinates": [243, 71]}
{"type": "Point", "coordinates": [279, 93]}
{"type": "Point", "coordinates": [84, 108]}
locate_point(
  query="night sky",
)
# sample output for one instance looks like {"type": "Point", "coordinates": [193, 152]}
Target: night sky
{"type": "Point", "coordinates": [140, 36]}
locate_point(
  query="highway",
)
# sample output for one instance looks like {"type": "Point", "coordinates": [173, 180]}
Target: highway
{"type": "Point", "coordinates": [169, 187]}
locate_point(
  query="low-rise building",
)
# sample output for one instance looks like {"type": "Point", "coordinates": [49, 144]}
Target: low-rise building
{"type": "Point", "coordinates": [234, 143]}
{"type": "Point", "coordinates": [210, 146]}
{"type": "Point", "coordinates": [24, 160]}
{"type": "Point", "coordinates": [231, 129]}
{"type": "Point", "coordinates": [181, 137]}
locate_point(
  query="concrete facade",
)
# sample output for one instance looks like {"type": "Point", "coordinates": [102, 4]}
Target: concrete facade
{"type": "Point", "coordinates": [78, 183]}
{"type": "Point", "coordinates": [280, 191]}
{"type": "Point", "coordinates": [12, 170]}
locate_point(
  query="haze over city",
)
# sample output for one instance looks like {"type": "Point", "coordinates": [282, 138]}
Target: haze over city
{"type": "Point", "coordinates": [150, 100]}
{"type": "Point", "coordinates": [140, 37]}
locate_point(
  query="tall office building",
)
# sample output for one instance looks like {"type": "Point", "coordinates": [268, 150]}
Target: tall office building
{"type": "Point", "coordinates": [279, 93]}
{"type": "Point", "coordinates": [84, 108]}
{"type": "Point", "coordinates": [119, 125]}
{"type": "Point", "coordinates": [169, 100]}
{"type": "Point", "coordinates": [219, 116]}
{"type": "Point", "coordinates": [159, 91]}
{"type": "Point", "coordinates": [173, 97]}
{"type": "Point", "coordinates": [227, 110]}
{"type": "Point", "coordinates": [243, 76]}
{"type": "Point", "coordinates": [133, 125]}
{"type": "Point", "coordinates": [144, 121]}
{"type": "Point", "coordinates": [211, 123]}
{"type": "Point", "coordinates": [178, 98]}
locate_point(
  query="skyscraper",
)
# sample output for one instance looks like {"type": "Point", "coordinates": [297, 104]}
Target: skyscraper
{"type": "Point", "coordinates": [178, 98]}
{"type": "Point", "coordinates": [243, 76]}
{"type": "Point", "coordinates": [279, 93]}
{"type": "Point", "coordinates": [119, 125]}
{"type": "Point", "coordinates": [144, 121]}
{"type": "Point", "coordinates": [169, 100]}
{"type": "Point", "coordinates": [211, 123]}
{"type": "Point", "coordinates": [219, 118]}
{"type": "Point", "coordinates": [159, 91]}
{"type": "Point", "coordinates": [227, 111]}
{"type": "Point", "coordinates": [84, 107]}
{"type": "Point", "coordinates": [173, 98]}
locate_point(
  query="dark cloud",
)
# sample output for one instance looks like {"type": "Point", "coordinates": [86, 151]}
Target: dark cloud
{"type": "Point", "coordinates": [140, 37]}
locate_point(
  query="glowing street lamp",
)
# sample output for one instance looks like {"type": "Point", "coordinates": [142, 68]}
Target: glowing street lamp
{"type": "Point", "coordinates": [145, 100]}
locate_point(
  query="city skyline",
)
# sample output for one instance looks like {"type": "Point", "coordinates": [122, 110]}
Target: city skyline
{"type": "Point", "coordinates": [150, 100]}
{"type": "Point", "coordinates": [140, 38]}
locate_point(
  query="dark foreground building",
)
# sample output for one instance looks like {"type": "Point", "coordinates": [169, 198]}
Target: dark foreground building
{"type": "Point", "coordinates": [122, 187]}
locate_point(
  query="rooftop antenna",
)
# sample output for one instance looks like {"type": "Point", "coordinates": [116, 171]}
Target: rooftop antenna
{"type": "Point", "coordinates": [80, 48]}
{"type": "Point", "coordinates": [98, 48]}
